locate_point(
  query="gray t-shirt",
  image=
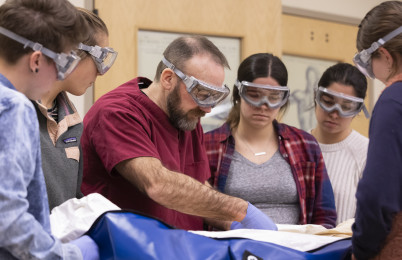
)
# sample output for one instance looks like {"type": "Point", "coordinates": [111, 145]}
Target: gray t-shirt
{"type": "Point", "coordinates": [269, 186]}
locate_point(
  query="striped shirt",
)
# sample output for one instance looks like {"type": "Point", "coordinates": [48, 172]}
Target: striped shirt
{"type": "Point", "coordinates": [345, 163]}
{"type": "Point", "coordinates": [303, 154]}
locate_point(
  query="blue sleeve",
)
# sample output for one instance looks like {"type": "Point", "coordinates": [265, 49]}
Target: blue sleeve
{"type": "Point", "coordinates": [324, 206]}
{"type": "Point", "coordinates": [24, 216]}
{"type": "Point", "coordinates": [379, 191]}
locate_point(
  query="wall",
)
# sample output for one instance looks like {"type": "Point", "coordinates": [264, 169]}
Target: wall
{"type": "Point", "coordinates": [207, 17]}
{"type": "Point", "coordinates": [342, 11]}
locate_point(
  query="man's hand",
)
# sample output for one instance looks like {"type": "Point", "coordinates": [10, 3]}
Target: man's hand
{"type": "Point", "coordinates": [255, 219]}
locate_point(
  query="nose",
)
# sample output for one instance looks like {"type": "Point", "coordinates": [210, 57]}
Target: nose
{"type": "Point", "coordinates": [206, 109]}
{"type": "Point", "coordinates": [334, 114]}
{"type": "Point", "coordinates": [264, 105]}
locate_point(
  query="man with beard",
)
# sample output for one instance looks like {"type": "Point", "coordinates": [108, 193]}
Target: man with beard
{"type": "Point", "coordinates": [143, 143]}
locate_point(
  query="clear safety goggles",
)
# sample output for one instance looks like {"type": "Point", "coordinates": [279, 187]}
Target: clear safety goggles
{"type": "Point", "coordinates": [258, 94]}
{"type": "Point", "coordinates": [103, 57]}
{"type": "Point", "coordinates": [204, 94]}
{"type": "Point", "coordinates": [65, 63]}
{"type": "Point", "coordinates": [362, 60]}
{"type": "Point", "coordinates": [347, 106]}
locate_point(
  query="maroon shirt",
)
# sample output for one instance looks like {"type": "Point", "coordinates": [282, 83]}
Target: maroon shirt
{"type": "Point", "coordinates": [125, 124]}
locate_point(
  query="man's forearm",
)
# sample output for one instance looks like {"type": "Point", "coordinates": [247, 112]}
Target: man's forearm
{"type": "Point", "coordinates": [181, 192]}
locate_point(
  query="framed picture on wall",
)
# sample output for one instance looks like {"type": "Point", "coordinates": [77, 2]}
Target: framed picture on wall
{"type": "Point", "coordinates": [303, 76]}
{"type": "Point", "coordinates": [151, 45]}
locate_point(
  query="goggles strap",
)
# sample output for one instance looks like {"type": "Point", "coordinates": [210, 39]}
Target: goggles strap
{"type": "Point", "coordinates": [172, 67]}
{"type": "Point", "coordinates": [84, 47]}
{"type": "Point", "coordinates": [27, 43]}
{"type": "Point", "coordinates": [391, 35]}
{"type": "Point", "coordinates": [366, 112]}
{"type": "Point", "coordinates": [383, 40]}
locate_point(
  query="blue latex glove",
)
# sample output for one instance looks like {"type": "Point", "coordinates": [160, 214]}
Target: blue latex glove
{"type": "Point", "coordinates": [88, 247]}
{"type": "Point", "coordinates": [254, 219]}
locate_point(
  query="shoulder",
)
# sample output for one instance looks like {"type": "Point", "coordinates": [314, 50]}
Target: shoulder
{"type": "Point", "coordinates": [19, 122]}
{"type": "Point", "coordinates": [387, 112]}
{"type": "Point", "coordinates": [217, 135]}
{"type": "Point", "coordinates": [390, 98]}
{"type": "Point", "coordinates": [294, 134]}
{"type": "Point", "coordinates": [358, 141]}
{"type": "Point", "coordinates": [12, 101]}
{"type": "Point", "coordinates": [126, 101]}
{"type": "Point", "coordinates": [394, 91]}
{"type": "Point", "coordinates": [300, 145]}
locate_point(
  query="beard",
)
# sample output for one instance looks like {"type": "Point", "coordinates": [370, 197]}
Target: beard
{"type": "Point", "coordinates": [177, 117]}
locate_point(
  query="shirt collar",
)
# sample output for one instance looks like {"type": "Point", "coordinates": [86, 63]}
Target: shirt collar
{"type": "Point", "coordinates": [281, 130]}
{"type": "Point", "coordinates": [6, 82]}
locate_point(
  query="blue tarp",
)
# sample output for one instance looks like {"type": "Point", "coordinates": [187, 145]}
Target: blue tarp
{"type": "Point", "coordinates": [127, 235]}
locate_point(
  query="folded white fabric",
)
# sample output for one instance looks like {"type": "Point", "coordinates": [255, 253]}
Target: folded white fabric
{"type": "Point", "coordinates": [298, 237]}
{"type": "Point", "coordinates": [75, 216]}
{"type": "Point", "coordinates": [343, 229]}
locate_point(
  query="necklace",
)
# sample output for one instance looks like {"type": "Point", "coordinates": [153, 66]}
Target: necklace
{"type": "Point", "coordinates": [249, 147]}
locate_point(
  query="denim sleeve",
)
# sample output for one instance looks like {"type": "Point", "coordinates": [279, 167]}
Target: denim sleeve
{"type": "Point", "coordinates": [24, 213]}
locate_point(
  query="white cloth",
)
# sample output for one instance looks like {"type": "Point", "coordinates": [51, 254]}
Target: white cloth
{"type": "Point", "coordinates": [345, 163]}
{"type": "Point", "coordinates": [74, 217]}
{"type": "Point", "coordinates": [299, 237]}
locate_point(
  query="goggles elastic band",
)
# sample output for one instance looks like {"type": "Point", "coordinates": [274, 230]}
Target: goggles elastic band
{"type": "Point", "coordinates": [65, 64]}
{"type": "Point", "coordinates": [362, 58]}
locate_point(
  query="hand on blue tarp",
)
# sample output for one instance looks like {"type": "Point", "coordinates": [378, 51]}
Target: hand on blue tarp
{"type": "Point", "coordinates": [88, 247]}
{"type": "Point", "coordinates": [254, 219]}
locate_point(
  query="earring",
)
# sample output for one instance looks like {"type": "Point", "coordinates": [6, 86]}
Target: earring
{"type": "Point", "coordinates": [36, 70]}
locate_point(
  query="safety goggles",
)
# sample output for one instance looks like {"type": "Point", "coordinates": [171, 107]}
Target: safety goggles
{"type": "Point", "coordinates": [258, 94]}
{"type": "Point", "coordinates": [65, 63]}
{"type": "Point", "coordinates": [362, 60]}
{"type": "Point", "coordinates": [204, 94]}
{"type": "Point", "coordinates": [347, 106]}
{"type": "Point", "coordinates": [103, 57]}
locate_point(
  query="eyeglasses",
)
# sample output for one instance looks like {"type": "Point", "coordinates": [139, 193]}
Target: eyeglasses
{"type": "Point", "coordinates": [65, 63]}
{"type": "Point", "coordinates": [258, 94]}
{"type": "Point", "coordinates": [362, 60]}
{"type": "Point", "coordinates": [347, 106]}
{"type": "Point", "coordinates": [103, 57]}
{"type": "Point", "coordinates": [204, 94]}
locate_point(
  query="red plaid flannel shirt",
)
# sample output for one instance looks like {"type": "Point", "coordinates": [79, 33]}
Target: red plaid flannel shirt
{"type": "Point", "coordinates": [303, 154]}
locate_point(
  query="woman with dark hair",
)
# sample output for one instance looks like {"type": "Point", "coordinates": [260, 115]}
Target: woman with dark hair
{"type": "Point", "coordinates": [338, 99]}
{"type": "Point", "coordinates": [277, 167]}
{"type": "Point", "coordinates": [377, 232]}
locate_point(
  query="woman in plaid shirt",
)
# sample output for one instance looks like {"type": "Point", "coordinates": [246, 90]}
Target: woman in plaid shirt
{"type": "Point", "coordinates": [276, 167]}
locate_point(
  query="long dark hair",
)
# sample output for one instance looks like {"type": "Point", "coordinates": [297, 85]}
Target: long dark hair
{"type": "Point", "coordinates": [260, 65]}
{"type": "Point", "coordinates": [345, 74]}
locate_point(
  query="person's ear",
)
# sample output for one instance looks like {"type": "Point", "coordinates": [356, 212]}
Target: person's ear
{"type": "Point", "coordinates": [387, 57]}
{"type": "Point", "coordinates": [34, 61]}
{"type": "Point", "coordinates": [168, 79]}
